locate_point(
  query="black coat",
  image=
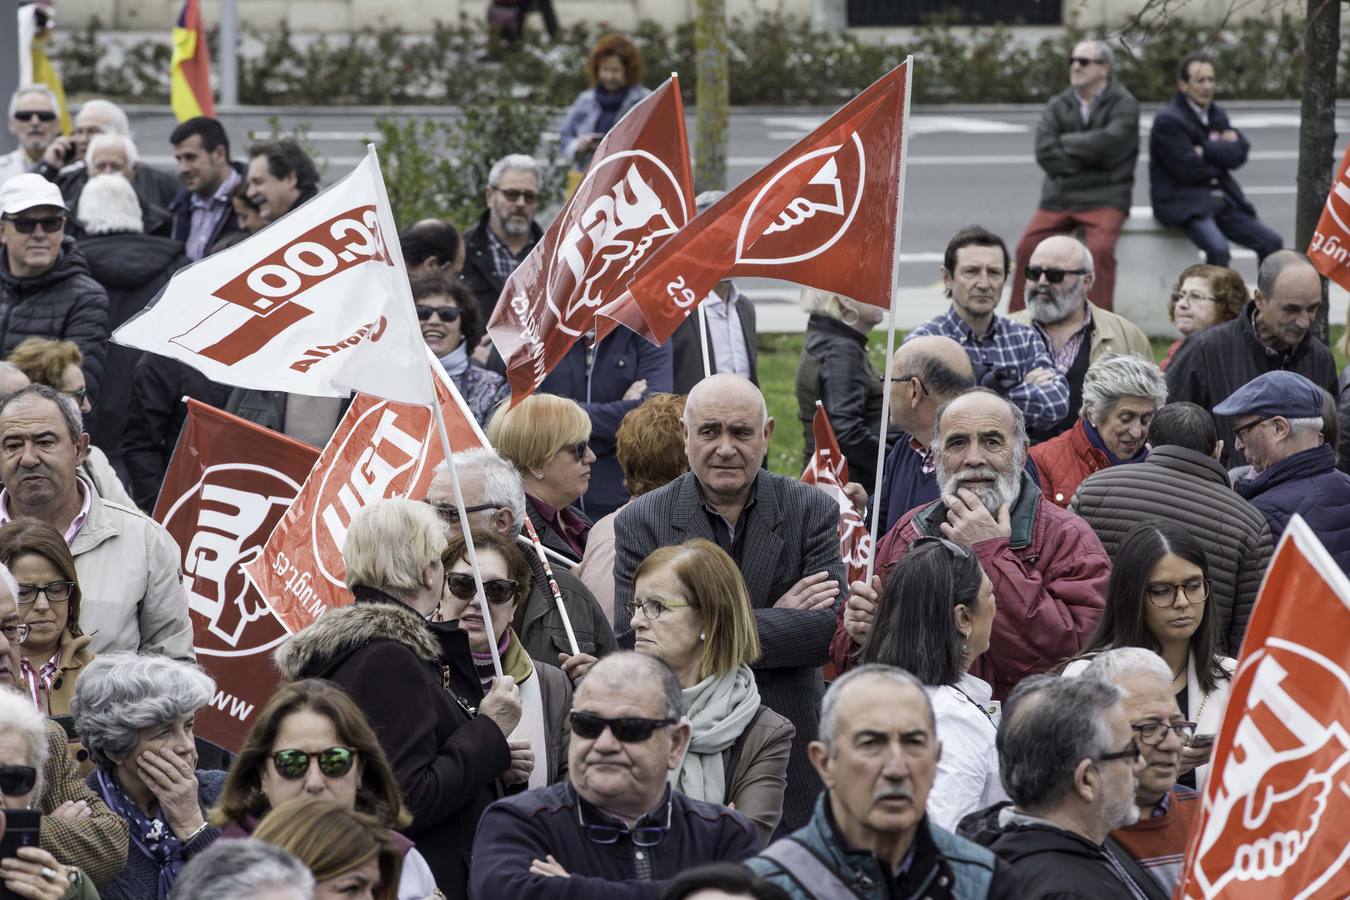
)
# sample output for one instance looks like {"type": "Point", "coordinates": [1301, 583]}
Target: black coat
{"type": "Point", "coordinates": [447, 760]}
{"type": "Point", "coordinates": [835, 369]}
{"type": "Point", "coordinates": [181, 210]}
{"type": "Point", "coordinates": [1307, 484]}
{"type": "Point", "coordinates": [154, 188]}
{"type": "Point", "coordinates": [687, 349]}
{"type": "Point", "coordinates": [479, 275]}
{"type": "Point", "coordinates": [64, 303]}
{"type": "Point", "coordinates": [1180, 183]}
{"type": "Point", "coordinates": [132, 268]}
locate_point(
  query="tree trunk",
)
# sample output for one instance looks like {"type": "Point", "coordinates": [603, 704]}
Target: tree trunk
{"type": "Point", "coordinates": [711, 95]}
{"type": "Point", "coordinates": [1317, 131]}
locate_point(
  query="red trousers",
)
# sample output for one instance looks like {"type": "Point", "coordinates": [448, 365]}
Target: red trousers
{"type": "Point", "coordinates": [1100, 227]}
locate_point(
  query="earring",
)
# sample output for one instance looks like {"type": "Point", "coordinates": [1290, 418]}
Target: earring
{"type": "Point", "coordinates": [537, 476]}
{"type": "Point", "coordinates": [702, 636]}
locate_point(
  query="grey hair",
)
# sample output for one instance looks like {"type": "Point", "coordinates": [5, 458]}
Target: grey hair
{"type": "Point", "coordinates": [19, 716]}
{"type": "Point", "coordinates": [502, 485]}
{"type": "Point", "coordinates": [124, 141]}
{"type": "Point", "coordinates": [1108, 55]}
{"type": "Point", "coordinates": [1309, 425]}
{"type": "Point", "coordinates": [1273, 266]}
{"type": "Point", "coordinates": [1115, 376]}
{"type": "Point", "coordinates": [117, 118]}
{"type": "Point", "coordinates": [821, 303]}
{"type": "Point", "coordinates": [229, 870]}
{"type": "Point", "coordinates": [706, 200]}
{"type": "Point", "coordinates": [10, 582]}
{"type": "Point", "coordinates": [108, 203]}
{"type": "Point", "coordinates": [64, 402]}
{"type": "Point", "coordinates": [1050, 725]}
{"type": "Point", "coordinates": [1021, 443]}
{"type": "Point", "coordinates": [826, 732]}
{"type": "Point", "coordinates": [515, 162]}
{"type": "Point", "coordinates": [390, 543]}
{"type": "Point", "coordinates": [33, 89]}
{"type": "Point", "coordinates": [118, 694]}
{"type": "Point", "coordinates": [1112, 665]}
{"type": "Point", "coordinates": [626, 667]}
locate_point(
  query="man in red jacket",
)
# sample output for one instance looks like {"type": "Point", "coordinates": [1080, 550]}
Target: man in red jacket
{"type": "Point", "coordinates": [1048, 567]}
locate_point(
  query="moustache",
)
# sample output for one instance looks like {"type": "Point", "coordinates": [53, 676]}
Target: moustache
{"type": "Point", "coordinates": [976, 473]}
{"type": "Point", "coordinates": [891, 792]}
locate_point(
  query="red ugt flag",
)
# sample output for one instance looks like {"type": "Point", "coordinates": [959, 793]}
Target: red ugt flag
{"type": "Point", "coordinates": [1276, 811]}
{"type": "Point", "coordinates": [636, 194]}
{"type": "Point", "coordinates": [823, 214]}
{"type": "Point", "coordinates": [828, 470]}
{"type": "Point", "coordinates": [1330, 247]}
{"type": "Point", "coordinates": [228, 484]}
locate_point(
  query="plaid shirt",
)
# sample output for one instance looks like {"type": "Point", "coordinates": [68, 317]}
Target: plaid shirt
{"type": "Point", "coordinates": [504, 262]}
{"type": "Point", "coordinates": [1009, 344]}
{"type": "Point", "coordinates": [96, 843]}
{"type": "Point", "coordinates": [1066, 354]}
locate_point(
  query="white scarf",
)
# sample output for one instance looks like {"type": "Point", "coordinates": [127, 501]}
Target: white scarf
{"type": "Point", "coordinates": [719, 708]}
{"type": "Point", "coordinates": [457, 360]}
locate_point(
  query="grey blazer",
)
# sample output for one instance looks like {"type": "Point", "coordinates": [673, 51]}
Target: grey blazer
{"type": "Point", "coordinates": [793, 532]}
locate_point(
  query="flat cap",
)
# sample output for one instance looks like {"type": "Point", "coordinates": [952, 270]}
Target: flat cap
{"type": "Point", "coordinates": [1279, 393]}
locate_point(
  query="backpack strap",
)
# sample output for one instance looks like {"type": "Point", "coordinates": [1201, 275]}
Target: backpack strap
{"type": "Point", "coordinates": [806, 868]}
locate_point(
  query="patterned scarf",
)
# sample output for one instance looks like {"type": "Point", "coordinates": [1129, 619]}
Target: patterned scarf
{"type": "Point", "coordinates": [152, 835]}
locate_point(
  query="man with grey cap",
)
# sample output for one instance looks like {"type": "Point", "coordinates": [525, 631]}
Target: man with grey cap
{"type": "Point", "coordinates": [1277, 425]}
{"type": "Point", "coordinates": [45, 285]}
{"type": "Point", "coordinates": [729, 318]}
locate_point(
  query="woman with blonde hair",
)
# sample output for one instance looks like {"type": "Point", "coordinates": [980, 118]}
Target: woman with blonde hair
{"type": "Point", "coordinates": [547, 438]}
{"type": "Point", "coordinates": [690, 610]}
{"type": "Point", "coordinates": [350, 853]}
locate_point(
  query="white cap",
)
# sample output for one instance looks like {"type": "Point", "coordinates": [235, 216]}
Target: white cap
{"type": "Point", "coordinates": [24, 192]}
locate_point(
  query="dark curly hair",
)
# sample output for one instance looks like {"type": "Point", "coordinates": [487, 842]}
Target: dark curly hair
{"type": "Point", "coordinates": [437, 284]}
{"type": "Point", "coordinates": [1230, 291]}
{"type": "Point", "coordinates": [620, 46]}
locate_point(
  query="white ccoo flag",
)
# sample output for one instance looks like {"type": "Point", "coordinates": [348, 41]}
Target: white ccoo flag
{"type": "Point", "coordinates": [317, 303]}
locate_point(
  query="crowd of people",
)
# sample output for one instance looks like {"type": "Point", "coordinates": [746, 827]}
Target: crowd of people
{"type": "Point", "coordinates": [694, 700]}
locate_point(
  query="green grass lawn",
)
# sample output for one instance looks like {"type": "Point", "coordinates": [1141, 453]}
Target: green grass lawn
{"type": "Point", "coordinates": [778, 355]}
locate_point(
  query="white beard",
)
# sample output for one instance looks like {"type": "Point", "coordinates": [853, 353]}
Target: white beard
{"type": "Point", "coordinates": [1005, 490]}
{"type": "Point", "coordinates": [1047, 308]}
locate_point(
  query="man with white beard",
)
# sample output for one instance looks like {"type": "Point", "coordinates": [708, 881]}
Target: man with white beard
{"type": "Point", "coordinates": [1048, 567]}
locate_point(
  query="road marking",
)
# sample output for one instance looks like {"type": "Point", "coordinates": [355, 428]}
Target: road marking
{"type": "Point", "coordinates": [801, 125]}
{"type": "Point", "coordinates": [319, 136]}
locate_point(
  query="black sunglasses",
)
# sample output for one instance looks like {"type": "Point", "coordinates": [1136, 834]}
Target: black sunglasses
{"type": "Point", "coordinates": [578, 449]}
{"type": "Point", "coordinates": [15, 781]}
{"type": "Point", "coordinates": [498, 590]}
{"type": "Point", "coordinates": [42, 115]}
{"type": "Point", "coordinates": [514, 196]}
{"type": "Point", "coordinates": [444, 313]}
{"type": "Point", "coordinates": [51, 225]}
{"type": "Point", "coordinates": [1054, 276]}
{"type": "Point", "coordinates": [333, 762]}
{"type": "Point", "coordinates": [628, 729]}
{"type": "Point", "coordinates": [1083, 60]}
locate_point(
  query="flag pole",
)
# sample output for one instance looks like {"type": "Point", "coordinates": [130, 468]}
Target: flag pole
{"type": "Point", "coordinates": [703, 338]}
{"type": "Point", "coordinates": [890, 321]}
{"type": "Point", "coordinates": [552, 585]}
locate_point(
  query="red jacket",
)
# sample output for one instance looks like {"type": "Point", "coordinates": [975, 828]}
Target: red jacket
{"type": "Point", "coordinates": [1064, 461]}
{"type": "Point", "coordinates": [1049, 580]}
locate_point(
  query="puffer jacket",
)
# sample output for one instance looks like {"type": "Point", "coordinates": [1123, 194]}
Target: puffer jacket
{"type": "Point", "coordinates": [64, 303]}
{"type": "Point", "coordinates": [1088, 166]}
{"type": "Point", "coordinates": [1049, 575]}
{"type": "Point", "coordinates": [1306, 484]}
{"type": "Point", "coordinates": [1064, 461]}
{"type": "Point", "coordinates": [417, 684]}
{"type": "Point", "coordinates": [834, 368]}
{"type": "Point", "coordinates": [1190, 489]}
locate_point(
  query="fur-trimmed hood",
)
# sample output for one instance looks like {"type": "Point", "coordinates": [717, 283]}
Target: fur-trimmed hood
{"type": "Point", "coordinates": [315, 651]}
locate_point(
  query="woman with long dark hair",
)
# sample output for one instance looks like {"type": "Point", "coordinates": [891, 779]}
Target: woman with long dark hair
{"type": "Point", "coordinates": [1158, 599]}
{"type": "Point", "coordinates": [934, 620]}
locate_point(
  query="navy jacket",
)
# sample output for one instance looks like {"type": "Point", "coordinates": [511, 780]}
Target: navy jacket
{"type": "Point", "coordinates": [543, 821]}
{"type": "Point", "coordinates": [1309, 484]}
{"type": "Point", "coordinates": [620, 359]}
{"type": "Point", "coordinates": [1180, 183]}
{"type": "Point", "coordinates": [181, 208]}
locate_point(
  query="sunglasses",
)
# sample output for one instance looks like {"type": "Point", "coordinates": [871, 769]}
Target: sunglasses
{"type": "Point", "coordinates": [628, 729]}
{"type": "Point", "coordinates": [498, 590]}
{"type": "Point", "coordinates": [41, 115]}
{"type": "Point", "coordinates": [15, 781]}
{"type": "Point", "coordinates": [578, 449]}
{"type": "Point", "coordinates": [641, 836]}
{"type": "Point", "coordinates": [1082, 61]}
{"type": "Point", "coordinates": [444, 313]}
{"type": "Point", "coordinates": [333, 762]}
{"type": "Point", "coordinates": [1054, 276]}
{"type": "Point", "coordinates": [515, 196]}
{"type": "Point", "coordinates": [50, 225]}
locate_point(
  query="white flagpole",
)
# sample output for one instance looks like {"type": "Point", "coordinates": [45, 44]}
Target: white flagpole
{"type": "Point", "coordinates": [703, 338]}
{"type": "Point", "coordinates": [890, 320]}
{"type": "Point", "coordinates": [552, 584]}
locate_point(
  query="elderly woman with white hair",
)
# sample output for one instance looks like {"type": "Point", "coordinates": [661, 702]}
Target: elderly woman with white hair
{"type": "Point", "coordinates": [1121, 392]}
{"type": "Point", "coordinates": [135, 715]}
{"type": "Point", "coordinates": [413, 676]}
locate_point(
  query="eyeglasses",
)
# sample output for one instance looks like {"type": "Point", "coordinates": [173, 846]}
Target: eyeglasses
{"type": "Point", "coordinates": [28, 115]}
{"type": "Point", "coordinates": [652, 608]}
{"type": "Point", "coordinates": [514, 196]}
{"type": "Point", "coordinates": [15, 781]}
{"type": "Point", "coordinates": [1163, 593]}
{"type": "Point", "coordinates": [1131, 753]}
{"type": "Point", "coordinates": [333, 762]}
{"type": "Point", "coordinates": [903, 378]}
{"type": "Point", "coordinates": [641, 836]}
{"type": "Point", "coordinates": [1054, 276]}
{"type": "Point", "coordinates": [55, 592]}
{"type": "Point", "coordinates": [1242, 432]}
{"type": "Point", "coordinates": [449, 513]}
{"type": "Point", "coordinates": [1153, 733]}
{"type": "Point", "coordinates": [15, 632]}
{"type": "Point", "coordinates": [578, 449]}
{"type": "Point", "coordinates": [51, 224]}
{"type": "Point", "coordinates": [1194, 297]}
{"type": "Point", "coordinates": [628, 729]}
{"type": "Point", "coordinates": [498, 590]}
{"type": "Point", "coordinates": [953, 548]}
{"type": "Point", "coordinates": [1082, 61]}
{"type": "Point", "coordinates": [444, 313]}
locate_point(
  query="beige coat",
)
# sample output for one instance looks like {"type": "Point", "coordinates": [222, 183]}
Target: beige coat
{"type": "Point", "coordinates": [757, 784]}
{"type": "Point", "coordinates": [1111, 333]}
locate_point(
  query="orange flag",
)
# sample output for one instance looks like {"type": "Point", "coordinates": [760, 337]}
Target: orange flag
{"type": "Point", "coordinates": [823, 214]}
{"type": "Point", "coordinates": [1276, 812]}
{"type": "Point", "coordinates": [1330, 247]}
{"type": "Point", "coordinates": [828, 470]}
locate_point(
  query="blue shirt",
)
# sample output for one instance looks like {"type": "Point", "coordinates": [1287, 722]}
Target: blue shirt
{"type": "Point", "coordinates": [206, 216]}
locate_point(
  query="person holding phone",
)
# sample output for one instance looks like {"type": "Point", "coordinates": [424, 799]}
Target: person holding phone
{"type": "Point", "coordinates": [614, 70]}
